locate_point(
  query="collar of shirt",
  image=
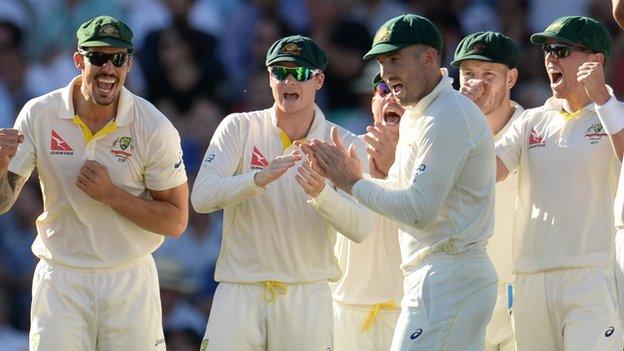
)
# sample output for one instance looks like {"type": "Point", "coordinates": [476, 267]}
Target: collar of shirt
{"type": "Point", "coordinates": [445, 84]}
{"type": "Point", "coordinates": [317, 129]}
{"type": "Point", "coordinates": [124, 108]}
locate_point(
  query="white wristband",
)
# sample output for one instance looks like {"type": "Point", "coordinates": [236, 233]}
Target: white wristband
{"type": "Point", "coordinates": [611, 114]}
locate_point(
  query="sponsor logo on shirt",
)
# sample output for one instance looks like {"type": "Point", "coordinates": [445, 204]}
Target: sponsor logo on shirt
{"type": "Point", "coordinates": [258, 161]}
{"type": "Point", "coordinates": [609, 331]}
{"type": "Point", "coordinates": [535, 139]}
{"type": "Point", "coordinates": [595, 133]}
{"type": "Point", "coordinates": [58, 145]}
{"type": "Point", "coordinates": [159, 341]}
{"type": "Point", "coordinates": [122, 148]}
{"type": "Point", "coordinates": [420, 170]}
{"type": "Point", "coordinates": [416, 334]}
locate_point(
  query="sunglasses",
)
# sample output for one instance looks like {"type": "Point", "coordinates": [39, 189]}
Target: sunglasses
{"type": "Point", "coordinates": [560, 50]}
{"type": "Point", "coordinates": [100, 59]}
{"type": "Point", "coordinates": [382, 89]}
{"type": "Point", "coordinates": [301, 74]}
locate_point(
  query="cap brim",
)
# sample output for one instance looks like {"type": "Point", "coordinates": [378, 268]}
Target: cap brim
{"type": "Point", "coordinates": [543, 37]}
{"type": "Point", "coordinates": [457, 62]}
{"type": "Point", "coordinates": [296, 60]}
{"type": "Point", "coordinates": [108, 42]}
{"type": "Point", "coordinates": [384, 48]}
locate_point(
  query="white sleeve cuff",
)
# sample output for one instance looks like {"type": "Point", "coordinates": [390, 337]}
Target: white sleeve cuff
{"type": "Point", "coordinates": [611, 115]}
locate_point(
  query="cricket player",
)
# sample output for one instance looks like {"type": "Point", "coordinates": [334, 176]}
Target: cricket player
{"type": "Point", "coordinates": [367, 297]}
{"type": "Point", "coordinates": [113, 183]}
{"type": "Point", "coordinates": [563, 250]}
{"type": "Point", "coordinates": [487, 64]}
{"type": "Point", "coordinates": [440, 191]}
{"type": "Point", "coordinates": [280, 220]}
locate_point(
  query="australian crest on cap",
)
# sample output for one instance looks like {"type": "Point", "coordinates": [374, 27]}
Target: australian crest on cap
{"type": "Point", "coordinates": [554, 27]}
{"type": "Point", "coordinates": [108, 30]}
{"type": "Point", "coordinates": [476, 48]}
{"type": "Point", "coordinates": [383, 34]}
{"type": "Point", "coordinates": [291, 49]}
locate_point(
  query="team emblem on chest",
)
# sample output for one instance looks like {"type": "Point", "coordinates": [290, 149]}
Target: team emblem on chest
{"type": "Point", "coordinates": [122, 148]}
{"type": "Point", "coordinates": [595, 133]}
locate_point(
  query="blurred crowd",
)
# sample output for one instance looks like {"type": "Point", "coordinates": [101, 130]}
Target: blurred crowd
{"type": "Point", "coordinates": [197, 61]}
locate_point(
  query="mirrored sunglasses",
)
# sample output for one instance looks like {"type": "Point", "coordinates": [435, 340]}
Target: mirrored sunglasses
{"type": "Point", "coordinates": [300, 74]}
{"type": "Point", "coordinates": [99, 58]}
{"type": "Point", "coordinates": [382, 89]}
{"type": "Point", "coordinates": [560, 50]}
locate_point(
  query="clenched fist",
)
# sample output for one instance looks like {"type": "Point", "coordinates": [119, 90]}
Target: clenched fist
{"type": "Point", "coordinates": [9, 140]}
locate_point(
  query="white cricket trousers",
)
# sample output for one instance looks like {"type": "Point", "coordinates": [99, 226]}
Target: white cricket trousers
{"type": "Point", "coordinates": [349, 333]}
{"type": "Point", "coordinates": [568, 310]}
{"type": "Point", "coordinates": [270, 316]}
{"type": "Point", "coordinates": [447, 304]}
{"type": "Point", "coordinates": [499, 335]}
{"type": "Point", "coordinates": [109, 309]}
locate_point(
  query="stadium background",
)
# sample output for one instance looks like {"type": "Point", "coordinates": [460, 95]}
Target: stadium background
{"type": "Point", "coordinates": [197, 61]}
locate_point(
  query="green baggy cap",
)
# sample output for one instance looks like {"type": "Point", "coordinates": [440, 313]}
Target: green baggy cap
{"type": "Point", "coordinates": [298, 49]}
{"type": "Point", "coordinates": [579, 30]}
{"type": "Point", "coordinates": [403, 31]}
{"type": "Point", "coordinates": [487, 46]}
{"type": "Point", "coordinates": [105, 31]}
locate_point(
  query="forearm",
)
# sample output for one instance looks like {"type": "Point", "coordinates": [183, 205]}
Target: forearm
{"type": "Point", "coordinates": [351, 219]}
{"type": "Point", "coordinates": [10, 186]}
{"type": "Point", "coordinates": [212, 192]}
{"type": "Point", "coordinates": [408, 206]}
{"type": "Point", "coordinates": [156, 215]}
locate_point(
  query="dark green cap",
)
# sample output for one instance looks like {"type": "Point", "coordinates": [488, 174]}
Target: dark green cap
{"type": "Point", "coordinates": [376, 80]}
{"type": "Point", "coordinates": [403, 31]}
{"type": "Point", "coordinates": [487, 46]}
{"type": "Point", "coordinates": [104, 31]}
{"type": "Point", "coordinates": [298, 49]}
{"type": "Point", "coordinates": [578, 30]}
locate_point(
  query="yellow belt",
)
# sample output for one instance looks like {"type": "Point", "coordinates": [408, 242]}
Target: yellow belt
{"type": "Point", "coordinates": [273, 288]}
{"type": "Point", "coordinates": [372, 315]}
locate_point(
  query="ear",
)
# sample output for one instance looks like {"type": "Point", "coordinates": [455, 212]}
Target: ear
{"type": "Point", "coordinates": [319, 79]}
{"type": "Point", "coordinates": [78, 61]}
{"type": "Point", "coordinates": [430, 56]}
{"type": "Point", "coordinates": [512, 77]}
{"type": "Point", "coordinates": [130, 63]}
{"type": "Point", "coordinates": [600, 58]}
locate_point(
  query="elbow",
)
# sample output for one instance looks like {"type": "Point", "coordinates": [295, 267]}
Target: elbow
{"type": "Point", "coordinates": [198, 204]}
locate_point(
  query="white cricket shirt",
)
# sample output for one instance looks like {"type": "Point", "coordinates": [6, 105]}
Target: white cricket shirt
{"type": "Point", "coordinates": [140, 149]}
{"type": "Point", "coordinates": [279, 233]}
{"type": "Point", "coordinates": [567, 179]}
{"type": "Point", "coordinates": [442, 195]}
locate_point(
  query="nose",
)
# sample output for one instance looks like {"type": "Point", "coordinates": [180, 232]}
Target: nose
{"type": "Point", "coordinates": [108, 66]}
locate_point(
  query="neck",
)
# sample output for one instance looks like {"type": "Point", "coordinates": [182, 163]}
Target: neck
{"type": "Point", "coordinates": [295, 125]}
{"type": "Point", "coordinates": [95, 116]}
{"type": "Point", "coordinates": [575, 103]}
{"type": "Point", "coordinates": [499, 118]}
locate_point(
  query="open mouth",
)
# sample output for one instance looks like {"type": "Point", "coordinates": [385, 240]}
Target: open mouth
{"type": "Point", "coordinates": [105, 84]}
{"type": "Point", "coordinates": [291, 96]}
{"type": "Point", "coordinates": [392, 117]}
{"type": "Point", "coordinates": [556, 77]}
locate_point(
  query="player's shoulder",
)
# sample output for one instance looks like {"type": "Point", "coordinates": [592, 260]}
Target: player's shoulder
{"type": "Point", "coordinates": [47, 104]}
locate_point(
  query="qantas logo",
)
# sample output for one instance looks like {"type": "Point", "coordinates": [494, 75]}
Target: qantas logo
{"type": "Point", "coordinates": [58, 146]}
{"type": "Point", "coordinates": [535, 139]}
{"type": "Point", "coordinates": [258, 161]}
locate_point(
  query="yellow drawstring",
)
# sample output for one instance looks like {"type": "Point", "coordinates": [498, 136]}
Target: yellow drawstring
{"type": "Point", "coordinates": [372, 315]}
{"type": "Point", "coordinates": [272, 288]}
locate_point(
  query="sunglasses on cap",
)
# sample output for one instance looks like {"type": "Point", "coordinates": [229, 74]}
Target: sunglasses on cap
{"type": "Point", "coordinates": [560, 50]}
{"type": "Point", "coordinates": [98, 58]}
{"type": "Point", "coordinates": [301, 74]}
{"type": "Point", "coordinates": [382, 89]}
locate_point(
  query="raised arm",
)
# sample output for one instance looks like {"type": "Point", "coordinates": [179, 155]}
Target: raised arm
{"type": "Point", "coordinates": [10, 183]}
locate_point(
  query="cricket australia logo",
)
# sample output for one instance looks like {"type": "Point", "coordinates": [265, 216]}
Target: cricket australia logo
{"type": "Point", "coordinates": [291, 49]}
{"type": "Point", "coordinates": [536, 139]}
{"type": "Point", "coordinates": [595, 133]}
{"type": "Point", "coordinates": [477, 48]}
{"type": "Point", "coordinates": [122, 148]}
{"type": "Point", "coordinates": [382, 35]}
{"type": "Point", "coordinates": [108, 30]}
